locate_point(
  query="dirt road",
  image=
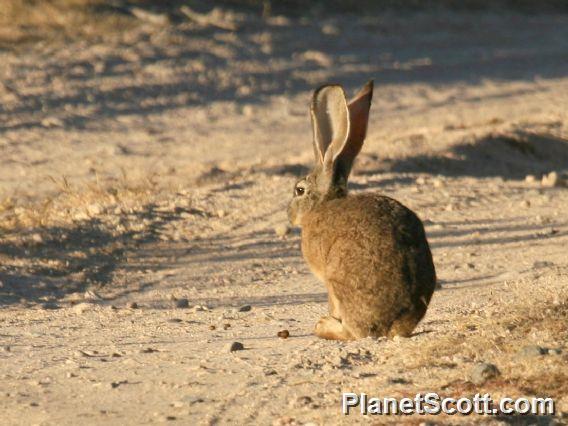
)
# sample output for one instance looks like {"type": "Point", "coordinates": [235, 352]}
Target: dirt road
{"type": "Point", "coordinates": [144, 184]}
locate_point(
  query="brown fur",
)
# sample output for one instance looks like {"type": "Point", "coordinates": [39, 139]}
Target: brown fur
{"type": "Point", "coordinates": [369, 250]}
{"type": "Point", "coordinates": [375, 260]}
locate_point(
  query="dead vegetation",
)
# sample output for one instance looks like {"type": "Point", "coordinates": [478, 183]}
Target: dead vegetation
{"type": "Point", "coordinates": [78, 234]}
{"type": "Point", "coordinates": [28, 21]}
{"type": "Point", "coordinates": [74, 204]}
{"type": "Point", "coordinates": [500, 337]}
{"type": "Point", "coordinates": [25, 21]}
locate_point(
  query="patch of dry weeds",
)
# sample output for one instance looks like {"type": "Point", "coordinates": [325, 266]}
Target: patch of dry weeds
{"type": "Point", "coordinates": [83, 233]}
{"type": "Point", "coordinates": [517, 325]}
{"type": "Point", "coordinates": [32, 20]}
{"type": "Point", "coordinates": [75, 204]}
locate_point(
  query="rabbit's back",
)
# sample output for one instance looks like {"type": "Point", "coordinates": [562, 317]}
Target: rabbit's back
{"type": "Point", "coordinates": [373, 255]}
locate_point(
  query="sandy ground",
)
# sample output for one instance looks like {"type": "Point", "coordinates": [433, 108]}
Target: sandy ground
{"type": "Point", "coordinates": [144, 182]}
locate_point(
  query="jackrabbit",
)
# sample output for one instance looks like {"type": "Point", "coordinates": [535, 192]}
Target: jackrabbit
{"type": "Point", "coordinates": [369, 250]}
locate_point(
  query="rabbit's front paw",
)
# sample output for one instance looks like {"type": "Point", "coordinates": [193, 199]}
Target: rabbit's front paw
{"type": "Point", "coordinates": [331, 329]}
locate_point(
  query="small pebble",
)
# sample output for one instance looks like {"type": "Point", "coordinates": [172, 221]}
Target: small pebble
{"type": "Point", "coordinates": [182, 303]}
{"type": "Point", "coordinates": [282, 230]}
{"type": "Point", "coordinates": [550, 180]}
{"type": "Point", "coordinates": [37, 238]}
{"type": "Point", "coordinates": [81, 308]}
{"type": "Point", "coordinates": [331, 30]}
{"type": "Point", "coordinates": [45, 381]}
{"type": "Point", "coordinates": [301, 401]}
{"type": "Point", "coordinates": [52, 122]}
{"type": "Point", "coordinates": [91, 295]}
{"type": "Point", "coordinates": [247, 110]}
{"type": "Point", "coordinates": [226, 326]}
{"type": "Point", "coordinates": [49, 306]}
{"type": "Point", "coordinates": [212, 327]}
{"type": "Point", "coordinates": [438, 183]}
{"type": "Point", "coordinates": [234, 346]}
{"type": "Point", "coordinates": [133, 305]}
{"type": "Point", "coordinates": [421, 180]}
{"type": "Point", "coordinates": [398, 381]}
{"type": "Point", "coordinates": [542, 264]}
{"type": "Point", "coordinates": [284, 421]}
{"type": "Point", "coordinates": [193, 400]}
{"type": "Point", "coordinates": [483, 372]}
{"type": "Point", "coordinates": [531, 351]}
{"type": "Point", "coordinates": [283, 334]}
{"type": "Point", "coordinates": [245, 308]}
{"type": "Point", "coordinates": [175, 320]}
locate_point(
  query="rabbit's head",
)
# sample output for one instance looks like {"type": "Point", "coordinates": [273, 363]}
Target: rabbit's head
{"type": "Point", "coordinates": [339, 129]}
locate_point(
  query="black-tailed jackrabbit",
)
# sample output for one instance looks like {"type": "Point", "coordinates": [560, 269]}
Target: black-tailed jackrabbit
{"type": "Point", "coordinates": [369, 250]}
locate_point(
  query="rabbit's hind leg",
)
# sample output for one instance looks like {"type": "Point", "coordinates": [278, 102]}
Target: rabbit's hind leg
{"type": "Point", "coordinates": [405, 324]}
{"type": "Point", "coordinates": [333, 304]}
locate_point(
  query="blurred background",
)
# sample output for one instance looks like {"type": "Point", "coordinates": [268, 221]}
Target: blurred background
{"type": "Point", "coordinates": [34, 20]}
{"type": "Point", "coordinates": [120, 85]}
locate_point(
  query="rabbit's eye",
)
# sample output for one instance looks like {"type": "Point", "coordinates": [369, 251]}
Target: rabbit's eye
{"type": "Point", "coordinates": [298, 191]}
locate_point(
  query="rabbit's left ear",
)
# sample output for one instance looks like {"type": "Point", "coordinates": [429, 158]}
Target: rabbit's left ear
{"type": "Point", "coordinates": [359, 107]}
{"type": "Point", "coordinates": [330, 121]}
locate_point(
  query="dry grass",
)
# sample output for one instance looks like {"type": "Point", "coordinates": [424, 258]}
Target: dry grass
{"type": "Point", "coordinates": [74, 204]}
{"type": "Point", "coordinates": [34, 20]}
{"type": "Point", "coordinates": [497, 337]}
{"type": "Point", "coordinates": [494, 335]}
{"type": "Point", "coordinates": [31, 20]}
{"type": "Point", "coordinates": [83, 232]}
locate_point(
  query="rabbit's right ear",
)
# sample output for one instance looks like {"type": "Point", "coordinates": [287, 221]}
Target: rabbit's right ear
{"type": "Point", "coordinates": [359, 108]}
{"type": "Point", "coordinates": [330, 121]}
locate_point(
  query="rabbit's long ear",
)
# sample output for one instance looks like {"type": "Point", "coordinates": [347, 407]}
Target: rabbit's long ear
{"type": "Point", "coordinates": [359, 108]}
{"type": "Point", "coordinates": [330, 121]}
